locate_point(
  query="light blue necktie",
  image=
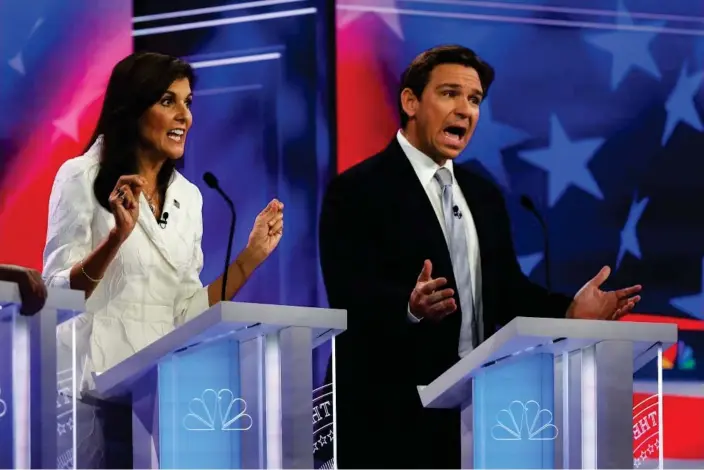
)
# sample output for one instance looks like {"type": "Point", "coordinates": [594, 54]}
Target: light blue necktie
{"type": "Point", "coordinates": [457, 244]}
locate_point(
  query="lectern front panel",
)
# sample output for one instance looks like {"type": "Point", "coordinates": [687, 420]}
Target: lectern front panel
{"type": "Point", "coordinates": [203, 416]}
{"type": "Point", "coordinates": [514, 414]}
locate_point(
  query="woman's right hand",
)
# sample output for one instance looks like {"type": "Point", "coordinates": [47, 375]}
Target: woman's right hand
{"type": "Point", "coordinates": [124, 202]}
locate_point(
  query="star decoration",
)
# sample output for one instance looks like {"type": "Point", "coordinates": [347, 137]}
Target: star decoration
{"type": "Point", "coordinates": [68, 123]}
{"type": "Point", "coordinates": [691, 304]}
{"type": "Point", "coordinates": [17, 62]}
{"type": "Point", "coordinates": [529, 262]}
{"type": "Point", "coordinates": [680, 103]}
{"type": "Point", "coordinates": [566, 163]}
{"type": "Point", "coordinates": [489, 138]}
{"type": "Point", "coordinates": [60, 429]}
{"type": "Point", "coordinates": [629, 237]}
{"type": "Point", "coordinates": [628, 49]}
{"type": "Point", "coordinates": [349, 10]}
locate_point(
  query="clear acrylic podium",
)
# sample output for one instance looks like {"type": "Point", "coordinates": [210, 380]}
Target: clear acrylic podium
{"type": "Point", "coordinates": [556, 393]}
{"type": "Point", "coordinates": [37, 395]}
{"type": "Point", "coordinates": [230, 388]}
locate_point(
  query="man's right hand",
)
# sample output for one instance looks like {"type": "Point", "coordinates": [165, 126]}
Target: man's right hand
{"type": "Point", "coordinates": [32, 289]}
{"type": "Point", "coordinates": [429, 302]}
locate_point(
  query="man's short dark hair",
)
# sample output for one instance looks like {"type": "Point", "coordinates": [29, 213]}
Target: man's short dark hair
{"type": "Point", "coordinates": [417, 75]}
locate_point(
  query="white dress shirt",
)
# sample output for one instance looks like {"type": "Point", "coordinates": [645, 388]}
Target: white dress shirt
{"type": "Point", "coordinates": [425, 168]}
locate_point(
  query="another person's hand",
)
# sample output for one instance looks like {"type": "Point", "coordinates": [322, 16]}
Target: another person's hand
{"type": "Point", "coordinates": [592, 303]}
{"type": "Point", "coordinates": [429, 302]}
{"type": "Point", "coordinates": [267, 231]}
{"type": "Point", "coordinates": [32, 289]}
{"type": "Point", "coordinates": [124, 201]}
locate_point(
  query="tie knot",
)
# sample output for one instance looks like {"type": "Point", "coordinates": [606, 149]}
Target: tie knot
{"type": "Point", "coordinates": [444, 177]}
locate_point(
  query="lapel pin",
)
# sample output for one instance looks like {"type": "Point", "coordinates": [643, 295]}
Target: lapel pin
{"type": "Point", "coordinates": [176, 204]}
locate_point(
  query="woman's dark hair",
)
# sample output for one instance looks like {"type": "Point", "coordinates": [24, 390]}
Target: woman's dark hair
{"type": "Point", "coordinates": [136, 83]}
{"type": "Point", "coordinates": [417, 75]}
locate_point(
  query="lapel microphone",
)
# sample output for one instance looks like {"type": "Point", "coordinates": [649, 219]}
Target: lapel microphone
{"type": "Point", "coordinates": [213, 183]}
{"type": "Point", "coordinates": [163, 220]}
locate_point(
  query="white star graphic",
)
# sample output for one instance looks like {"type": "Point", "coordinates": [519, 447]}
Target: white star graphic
{"type": "Point", "coordinates": [490, 137]}
{"type": "Point", "coordinates": [529, 262]}
{"type": "Point", "coordinates": [68, 123]}
{"type": "Point", "coordinates": [629, 237]}
{"type": "Point", "coordinates": [628, 49]}
{"type": "Point", "coordinates": [17, 61]}
{"type": "Point", "coordinates": [349, 10]}
{"type": "Point", "coordinates": [691, 304]}
{"type": "Point", "coordinates": [566, 162]}
{"type": "Point", "coordinates": [680, 103]}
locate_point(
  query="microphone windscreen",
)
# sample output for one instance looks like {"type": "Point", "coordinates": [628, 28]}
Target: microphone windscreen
{"type": "Point", "coordinates": [210, 179]}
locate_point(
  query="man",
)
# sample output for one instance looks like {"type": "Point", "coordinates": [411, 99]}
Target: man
{"type": "Point", "coordinates": [32, 288]}
{"type": "Point", "coordinates": [420, 254]}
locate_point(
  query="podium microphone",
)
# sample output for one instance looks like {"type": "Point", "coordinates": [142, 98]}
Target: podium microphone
{"type": "Point", "coordinates": [213, 183]}
{"type": "Point", "coordinates": [528, 204]}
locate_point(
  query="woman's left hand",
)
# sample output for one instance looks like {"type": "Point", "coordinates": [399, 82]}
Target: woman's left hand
{"type": "Point", "coordinates": [267, 231]}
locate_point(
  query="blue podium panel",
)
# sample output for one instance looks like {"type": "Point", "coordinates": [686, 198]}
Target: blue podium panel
{"type": "Point", "coordinates": [7, 416]}
{"type": "Point", "coordinates": [202, 412]}
{"type": "Point", "coordinates": [514, 414]}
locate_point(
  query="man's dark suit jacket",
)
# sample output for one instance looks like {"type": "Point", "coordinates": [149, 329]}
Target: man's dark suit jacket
{"type": "Point", "coordinates": [377, 227]}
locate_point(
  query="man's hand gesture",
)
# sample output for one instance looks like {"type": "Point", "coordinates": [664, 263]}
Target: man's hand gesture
{"type": "Point", "coordinates": [429, 302]}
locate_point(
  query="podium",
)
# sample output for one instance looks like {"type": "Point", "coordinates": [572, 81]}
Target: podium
{"type": "Point", "coordinates": [557, 393]}
{"type": "Point", "coordinates": [37, 395]}
{"type": "Point", "coordinates": [231, 388]}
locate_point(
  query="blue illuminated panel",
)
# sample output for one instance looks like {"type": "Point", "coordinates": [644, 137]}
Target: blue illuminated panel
{"type": "Point", "coordinates": [201, 414]}
{"type": "Point", "coordinates": [513, 414]}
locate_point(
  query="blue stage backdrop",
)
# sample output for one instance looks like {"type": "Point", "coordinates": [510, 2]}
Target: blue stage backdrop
{"type": "Point", "coordinates": [597, 114]}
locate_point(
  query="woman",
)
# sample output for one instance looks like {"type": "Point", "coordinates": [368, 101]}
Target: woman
{"type": "Point", "coordinates": [106, 233]}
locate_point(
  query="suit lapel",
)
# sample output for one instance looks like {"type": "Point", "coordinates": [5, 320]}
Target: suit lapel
{"type": "Point", "coordinates": [418, 210]}
{"type": "Point", "coordinates": [152, 230]}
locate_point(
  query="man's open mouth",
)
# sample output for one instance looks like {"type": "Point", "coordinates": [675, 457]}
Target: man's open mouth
{"type": "Point", "coordinates": [455, 133]}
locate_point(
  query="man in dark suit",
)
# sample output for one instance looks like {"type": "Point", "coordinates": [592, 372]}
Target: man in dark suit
{"type": "Point", "coordinates": [420, 254]}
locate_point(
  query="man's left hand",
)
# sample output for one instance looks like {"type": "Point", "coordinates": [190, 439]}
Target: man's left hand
{"type": "Point", "coordinates": [592, 303]}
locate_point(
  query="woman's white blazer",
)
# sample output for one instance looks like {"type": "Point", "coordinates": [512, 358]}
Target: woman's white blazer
{"type": "Point", "coordinates": [153, 283]}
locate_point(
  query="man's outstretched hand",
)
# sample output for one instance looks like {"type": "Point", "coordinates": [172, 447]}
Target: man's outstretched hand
{"type": "Point", "coordinates": [429, 302]}
{"type": "Point", "coordinates": [592, 303]}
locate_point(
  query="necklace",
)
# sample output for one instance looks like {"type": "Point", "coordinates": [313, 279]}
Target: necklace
{"type": "Point", "coordinates": [150, 201]}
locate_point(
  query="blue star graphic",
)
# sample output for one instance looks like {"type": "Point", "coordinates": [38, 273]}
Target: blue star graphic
{"type": "Point", "coordinates": [629, 237]}
{"type": "Point", "coordinates": [691, 304]}
{"type": "Point", "coordinates": [489, 138]}
{"type": "Point", "coordinates": [680, 103]}
{"type": "Point", "coordinates": [529, 262]}
{"type": "Point", "coordinates": [629, 49]}
{"type": "Point", "coordinates": [566, 162]}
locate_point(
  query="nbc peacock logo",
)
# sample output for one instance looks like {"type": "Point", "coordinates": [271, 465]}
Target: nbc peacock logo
{"type": "Point", "coordinates": [217, 410]}
{"type": "Point", "coordinates": [524, 421]}
{"type": "Point", "coordinates": [680, 357]}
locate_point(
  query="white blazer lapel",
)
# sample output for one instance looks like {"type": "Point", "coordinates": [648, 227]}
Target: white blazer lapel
{"type": "Point", "coordinates": [152, 230]}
